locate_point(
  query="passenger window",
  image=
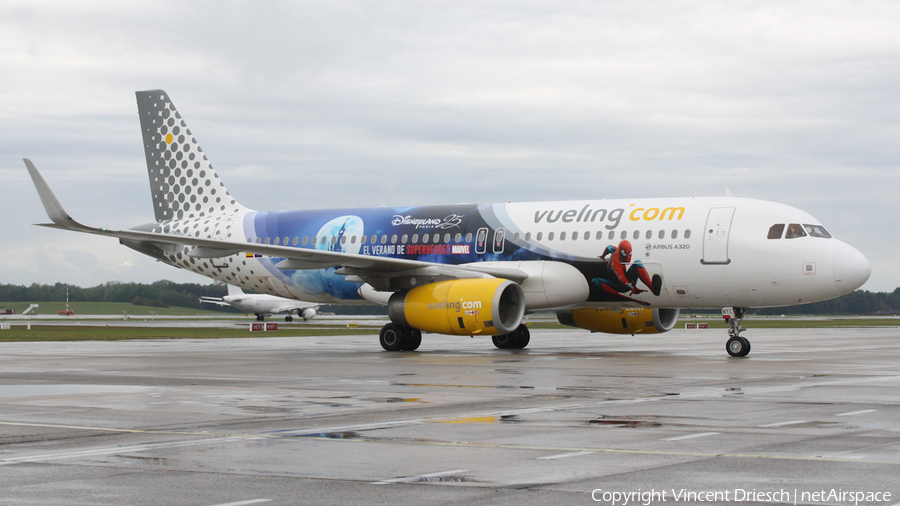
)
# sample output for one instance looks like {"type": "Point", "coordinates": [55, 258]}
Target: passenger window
{"type": "Point", "coordinates": [612, 235]}
{"type": "Point", "coordinates": [268, 240]}
{"type": "Point", "coordinates": [649, 234]}
{"type": "Point", "coordinates": [776, 230]}
{"type": "Point", "coordinates": [363, 239]}
{"type": "Point", "coordinates": [305, 240]}
{"type": "Point", "coordinates": [794, 230]}
{"type": "Point", "coordinates": [343, 239]}
{"type": "Point", "coordinates": [817, 231]}
{"type": "Point", "coordinates": [447, 238]}
{"type": "Point", "coordinates": [353, 240]}
{"type": "Point", "coordinates": [415, 238]}
{"type": "Point", "coordinates": [295, 240]}
{"type": "Point", "coordinates": [540, 235]}
{"type": "Point", "coordinates": [527, 236]}
{"type": "Point", "coordinates": [515, 237]}
{"type": "Point", "coordinates": [404, 238]}
{"type": "Point", "coordinates": [425, 238]}
{"type": "Point", "coordinates": [562, 236]}
{"type": "Point", "coordinates": [394, 239]}
{"type": "Point", "coordinates": [384, 238]}
{"type": "Point", "coordinates": [469, 237]}
{"type": "Point", "coordinates": [662, 234]}
{"type": "Point", "coordinates": [637, 234]}
{"type": "Point", "coordinates": [436, 239]}
{"type": "Point", "coordinates": [285, 241]}
{"type": "Point", "coordinates": [574, 236]}
{"type": "Point", "coordinates": [624, 235]}
{"type": "Point", "coordinates": [458, 237]}
{"type": "Point", "coordinates": [687, 234]}
{"type": "Point", "coordinates": [550, 236]}
{"type": "Point", "coordinates": [277, 241]}
{"type": "Point", "coordinates": [315, 240]}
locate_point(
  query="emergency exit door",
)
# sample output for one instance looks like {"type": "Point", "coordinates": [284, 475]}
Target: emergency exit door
{"type": "Point", "coordinates": [715, 238]}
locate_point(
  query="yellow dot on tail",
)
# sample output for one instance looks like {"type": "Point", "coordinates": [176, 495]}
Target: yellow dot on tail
{"type": "Point", "coordinates": [169, 139]}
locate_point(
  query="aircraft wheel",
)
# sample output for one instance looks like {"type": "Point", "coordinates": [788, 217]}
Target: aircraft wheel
{"type": "Point", "coordinates": [260, 318]}
{"type": "Point", "coordinates": [392, 337]}
{"type": "Point", "coordinates": [288, 318]}
{"type": "Point", "coordinates": [504, 341]}
{"type": "Point", "coordinates": [737, 347]}
{"type": "Point", "coordinates": [523, 336]}
{"type": "Point", "coordinates": [413, 340]}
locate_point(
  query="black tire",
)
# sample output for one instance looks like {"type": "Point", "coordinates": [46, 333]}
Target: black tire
{"type": "Point", "coordinates": [737, 347]}
{"type": "Point", "coordinates": [504, 341]}
{"type": "Point", "coordinates": [747, 342]}
{"type": "Point", "coordinates": [413, 340]}
{"type": "Point", "coordinates": [523, 337]}
{"type": "Point", "coordinates": [392, 337]}
{"type": "Point", "coordinates": [260, 317]}
{"type": "Point", "coordinates": [288, 318]}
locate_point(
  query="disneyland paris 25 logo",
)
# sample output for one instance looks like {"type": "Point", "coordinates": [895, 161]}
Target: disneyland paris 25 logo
{"type": "Point", "coordinates": [453, 220]}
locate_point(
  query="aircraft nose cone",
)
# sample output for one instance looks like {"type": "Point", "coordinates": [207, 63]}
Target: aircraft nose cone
{"type": "Point", "coordinates": [851, 269]}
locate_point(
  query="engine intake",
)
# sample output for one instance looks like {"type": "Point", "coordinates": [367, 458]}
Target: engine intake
{"type": "Point", "coordinates": [639, 320]}
{"type": "Point", "coordinates": [460, 307]}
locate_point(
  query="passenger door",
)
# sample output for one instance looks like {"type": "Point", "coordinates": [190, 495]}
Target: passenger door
{"type": "Point", "coordinates": [715, 241]}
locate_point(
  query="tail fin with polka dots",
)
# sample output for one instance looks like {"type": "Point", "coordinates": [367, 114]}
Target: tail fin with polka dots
{"type": "Point", "coordinates": [182, 180]}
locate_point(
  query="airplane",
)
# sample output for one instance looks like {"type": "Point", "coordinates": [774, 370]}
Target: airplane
{"type": "Point", "coordinates": [263, 305]}
{"type": "Point", "coordinates": [623, 266]}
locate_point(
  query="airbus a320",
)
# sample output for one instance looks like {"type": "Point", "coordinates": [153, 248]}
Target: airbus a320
{"type": "Point", "coordinates": [619, 266]}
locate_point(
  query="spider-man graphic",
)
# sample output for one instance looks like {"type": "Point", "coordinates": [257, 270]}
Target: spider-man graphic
{"type": "Point", "coordinates": [622, 277]}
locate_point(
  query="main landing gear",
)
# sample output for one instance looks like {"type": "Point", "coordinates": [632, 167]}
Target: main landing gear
{"type": "Point", "coordinates": [260, 317]}
{"type": "Point", "coordinates": [516, 339]}
{"type": "Point", "coordinates": [394, 337]}
{"type": "Point", "coordinates": [288, 319]}
{"type": "Point", "coordinates": [736, 346]}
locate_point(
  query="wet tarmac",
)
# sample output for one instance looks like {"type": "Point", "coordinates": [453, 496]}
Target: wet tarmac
{"type": "Point", "coordinates": [572, 419]}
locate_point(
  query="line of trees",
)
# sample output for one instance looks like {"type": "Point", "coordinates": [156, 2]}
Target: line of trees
{"type": "Point", "coordinates": [167, 293]}
{"type": "Point", "coordinates": [159, 294]}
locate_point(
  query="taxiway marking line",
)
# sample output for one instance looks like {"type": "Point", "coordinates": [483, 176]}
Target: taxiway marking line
{"type": "Point", "coordinates": [223, 437]}
{"type": "Point", "coordinates": [112, 450]}
{"type": "Point", "coordinates": [852, 413]}
{"type": "Point", "coordinates": [564, 455]}
{"type": "Point", "coordinates": [690, 436]}
{"type": "Point", "coordinates": [244, 503]}
{"type": "Point", "coordinates": [782, 424]}
{"type": "Point", "coordinates": [408, 479]}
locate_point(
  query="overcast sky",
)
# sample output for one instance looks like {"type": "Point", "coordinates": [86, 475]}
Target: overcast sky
{"type": "Point", "coordinates": [351, 104]}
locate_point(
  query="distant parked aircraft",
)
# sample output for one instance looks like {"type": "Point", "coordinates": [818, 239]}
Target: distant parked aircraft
{"type": "Point", "coordinates": [264, 305]}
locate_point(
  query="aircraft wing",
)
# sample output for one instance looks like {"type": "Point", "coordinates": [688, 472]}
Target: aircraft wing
{"type": "Point", "coordinates": [377, 271]}
{"type": "Point", "coordinates": [290, 308]}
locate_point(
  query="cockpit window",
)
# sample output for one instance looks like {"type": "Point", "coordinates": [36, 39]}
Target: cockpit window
{"type": "Point", "coordinates": [817, 231]}
{"type": "Point", "coordinates": [794, 230]}
{"type": "Point", "coordinates": [776, 230]}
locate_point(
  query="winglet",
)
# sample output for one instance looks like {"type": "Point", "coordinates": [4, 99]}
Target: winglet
{"type": "Point", "coordinates": [55, 211]}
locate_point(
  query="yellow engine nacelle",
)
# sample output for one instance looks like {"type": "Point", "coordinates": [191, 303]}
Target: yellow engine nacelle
{"type": "Point", "coordinates": [630, 320]}
{"type": "Point", "coordinates": [460, 307]}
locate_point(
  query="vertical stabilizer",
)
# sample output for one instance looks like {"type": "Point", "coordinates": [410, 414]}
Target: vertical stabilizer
{"type": "Point", "coordinates": [182, 181]}
{"type": "Point", "coordinates": [235, 290]}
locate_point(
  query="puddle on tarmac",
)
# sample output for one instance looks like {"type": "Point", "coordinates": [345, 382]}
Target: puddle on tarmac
{"type": "Point", "coordinates": [609, 422]}
{"type": "Point", "coordinates": [332, 435]}
{"type": "Point", "coordinates": [32, 390]}
{"type": "Point", "coordinates": [440, 479]}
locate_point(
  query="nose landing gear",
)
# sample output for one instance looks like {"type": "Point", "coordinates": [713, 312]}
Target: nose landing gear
{"type": "Point", "coordinates": [736, 346]}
